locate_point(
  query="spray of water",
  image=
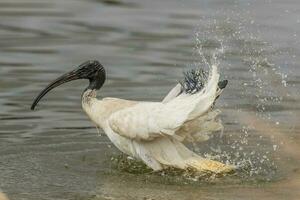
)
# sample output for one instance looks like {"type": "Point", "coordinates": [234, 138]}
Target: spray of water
{"type": "Point", "coordinates": [227, 45]}
{"type": "Point", "coordinates": [243, 60]}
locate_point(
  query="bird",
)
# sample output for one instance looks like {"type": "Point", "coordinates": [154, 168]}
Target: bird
{"type": "Point", "coordinates": [155, 132]}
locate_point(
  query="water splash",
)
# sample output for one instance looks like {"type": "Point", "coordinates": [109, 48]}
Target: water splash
{"type": "Point", "coordinates": [217, 43]}
{"type": "Point", "coordinates": [129, 165]}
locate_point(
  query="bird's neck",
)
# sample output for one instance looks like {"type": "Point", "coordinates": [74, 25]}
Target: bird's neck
{"type": "Point", "coordinates": [97, 80]}
{"type": "Point", "coordinates": [95, 84]}
{"type": "Point", "coordinates": [88, 96]}
{"type": "Point", "coordinates": [90, 92]}
{"type": "Point", "coordinates": [89, 102]}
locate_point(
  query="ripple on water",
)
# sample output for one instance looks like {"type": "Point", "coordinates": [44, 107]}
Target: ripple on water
{"type": "Point", "coordinates": [56, 153]}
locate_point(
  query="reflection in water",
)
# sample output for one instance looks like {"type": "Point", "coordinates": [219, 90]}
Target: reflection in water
{"type": "Point", "coordinates": [145, 45]}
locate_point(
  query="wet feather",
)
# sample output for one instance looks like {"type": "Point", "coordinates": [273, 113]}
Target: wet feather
{"type": "Point", "coordinates": [194, 81]}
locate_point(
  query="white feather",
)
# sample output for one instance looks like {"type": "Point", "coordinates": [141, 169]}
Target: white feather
{"type": "Point", "coordinates": [153, 131]}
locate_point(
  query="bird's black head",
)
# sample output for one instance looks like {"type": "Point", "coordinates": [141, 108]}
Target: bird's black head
{"type": "Point", "coordinates": [91, 70]}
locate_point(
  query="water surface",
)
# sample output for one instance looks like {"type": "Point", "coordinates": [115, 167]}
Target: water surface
{"type": "Point", "coordinates": [56, 153]}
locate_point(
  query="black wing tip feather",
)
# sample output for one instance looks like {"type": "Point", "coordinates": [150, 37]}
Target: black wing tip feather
{"type": "Point", "coordinates": [222, 84]}
{"type": "Point", "coordinates": [195, 80]}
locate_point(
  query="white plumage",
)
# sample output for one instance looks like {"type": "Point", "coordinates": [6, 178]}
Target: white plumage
{"type": "Point", "coordinates": [154, 131]}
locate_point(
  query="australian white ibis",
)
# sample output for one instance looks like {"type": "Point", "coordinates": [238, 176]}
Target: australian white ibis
{"type": "Point", "coordinates": [154, 132]}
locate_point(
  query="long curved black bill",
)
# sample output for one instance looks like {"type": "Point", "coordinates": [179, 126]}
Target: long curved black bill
{"type": "Point", "coordinates": [70, 76]}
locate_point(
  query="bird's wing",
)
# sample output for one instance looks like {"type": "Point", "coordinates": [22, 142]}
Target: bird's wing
{"type": "Point", "coordinates": [173, 93]}
{"type": "Point", "coordinates": [149, 120]}
{"type": "Point", "coordinates": [146, 121]}
{"type": "Point", "coordinates": [201, 128]}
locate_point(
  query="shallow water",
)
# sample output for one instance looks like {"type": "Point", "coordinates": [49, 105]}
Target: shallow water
{"type": "Point", "coordinates": [56, 153]}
